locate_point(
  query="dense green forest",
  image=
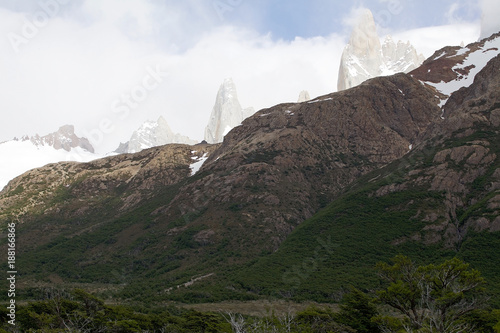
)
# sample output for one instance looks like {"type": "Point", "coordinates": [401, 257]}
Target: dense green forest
{"type": "Point", "coordinates": [445, 297]}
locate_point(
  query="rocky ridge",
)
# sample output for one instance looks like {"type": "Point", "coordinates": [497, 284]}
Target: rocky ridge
{"type": "Point", "coordinates": [440, 200]}
{"type": "Point", "coordinates": [451, 69]}
{"type": "Point", "coordinates": [74, 190]}
{"type": "Point", "coordinates": [64, 138]}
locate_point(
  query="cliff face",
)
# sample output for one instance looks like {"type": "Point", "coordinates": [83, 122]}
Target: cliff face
{"type": "Point", "coordinates": [227, 113]}
{"type": "Point", "coordinates": [467, 168]}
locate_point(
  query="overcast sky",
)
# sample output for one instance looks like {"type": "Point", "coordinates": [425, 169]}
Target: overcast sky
{"type": "Point", "coordinates": [106, 66]}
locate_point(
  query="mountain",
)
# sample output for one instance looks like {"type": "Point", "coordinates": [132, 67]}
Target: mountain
{"type": "Point", "coordinates": [365, 57]}
{"type": "Point", "coordinates": [65, 138]}
{"type": "Point", "coordinates": [303, 96]}
{"type": "Point", "coordinates": [227, 113]}
{"type": "Point", "coordinates": [298, 202]}
{"type": "Point", "coordinates": [152, 222]}
{"type": "Point", "coordinates": [21, 155]}
{"type": "Point", "coordinates": [453, 68]}
{"type": "Point", "coordinates": [152, 134]}
{"type": "Point", "coordinates": [440, 200]}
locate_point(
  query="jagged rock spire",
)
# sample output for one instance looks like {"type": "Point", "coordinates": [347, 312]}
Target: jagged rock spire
{"type": "Point", "coordinates": [365, 57]}
{"type": "Point", "coordinates": [227, 113]}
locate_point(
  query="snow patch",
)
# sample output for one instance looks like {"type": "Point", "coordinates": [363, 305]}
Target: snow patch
{"type": "Point", "coordinates": [196, 166]}
{"type": "Point", "coordinates": [441, 55]}
{"type": "Point", "coordinates": [462, 51]}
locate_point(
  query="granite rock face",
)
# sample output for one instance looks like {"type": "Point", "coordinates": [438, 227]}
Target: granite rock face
{"type": "Point", "coordinates": [365, 57]}
{"type": "Point", "coordinates": [304, 96]}
{"type": "Point", "coordinates": [227, 113]}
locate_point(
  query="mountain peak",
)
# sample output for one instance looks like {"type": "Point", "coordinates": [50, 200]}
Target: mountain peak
{"type": "Point", "coordinates": [64, 138]}
{"type": "Point", "coordinates": [364, 40]}
{"type": "Point", "coordinates": [304, 96]}
{"type": "Point", "coordinates": [227, 91]}
{"type": "Point", "coordinates": [20, 155]}
{"type": "Point", "coordinates": [162, 120]}
{"type": "Point", "coordinates": [227, 113]}
{"type": "Point", "coordinates": [67, 130]}
{"type": "Point", "coordinates": [365, 57]}
{"type": "Point", "coordinates": [152, 134]}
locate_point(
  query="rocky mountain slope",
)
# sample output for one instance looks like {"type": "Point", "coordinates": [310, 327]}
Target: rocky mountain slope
{"type": "Point", "coordinates": [227, 113]}
{"type": "Point", "coordinates": [270, 174]}
{"type": "Point", "coordinates": [365, 57]}
{"type": "Point", "coordinates": [152, 134]}
{"type": "Point", "coordinates": [392, 175]}
{"type": "Point", "coordinates": [440, 200]}
{"type": "Point", "coordinates": [28, 152]}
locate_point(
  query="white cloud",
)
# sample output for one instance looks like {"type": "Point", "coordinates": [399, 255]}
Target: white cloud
{"type": "Point", "coordinates": [451, 15]}
{"type": "Point", "coordinates": [78, 71]}
{"type": "Point", "coordinates": [490, 22]}
{"type": "Point", "coordinates": [88, 58]}
{"type": "Point", "coordinates": [428, 40]}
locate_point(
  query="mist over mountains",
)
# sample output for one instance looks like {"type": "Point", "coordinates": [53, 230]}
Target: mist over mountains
{"type": "Point", "coordinates": [227, 112]}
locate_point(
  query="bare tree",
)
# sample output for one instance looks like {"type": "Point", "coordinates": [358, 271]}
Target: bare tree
{"type": "Point", "coordinates": [237, 322]}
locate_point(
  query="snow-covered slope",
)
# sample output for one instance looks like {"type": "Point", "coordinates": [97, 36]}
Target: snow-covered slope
{"type": "Point", "coordinates": [473, 63]}
{"type": "Point", "coordinates": [365, 57]}
{"type": "Point", "coordinates": [21, 155]}
{"type": "Point", "coordinates": [452, 68]}
{"type": "Point", "coordinates": [227, 113]}
{"type": "Point", "coordinates": [152, 134]}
